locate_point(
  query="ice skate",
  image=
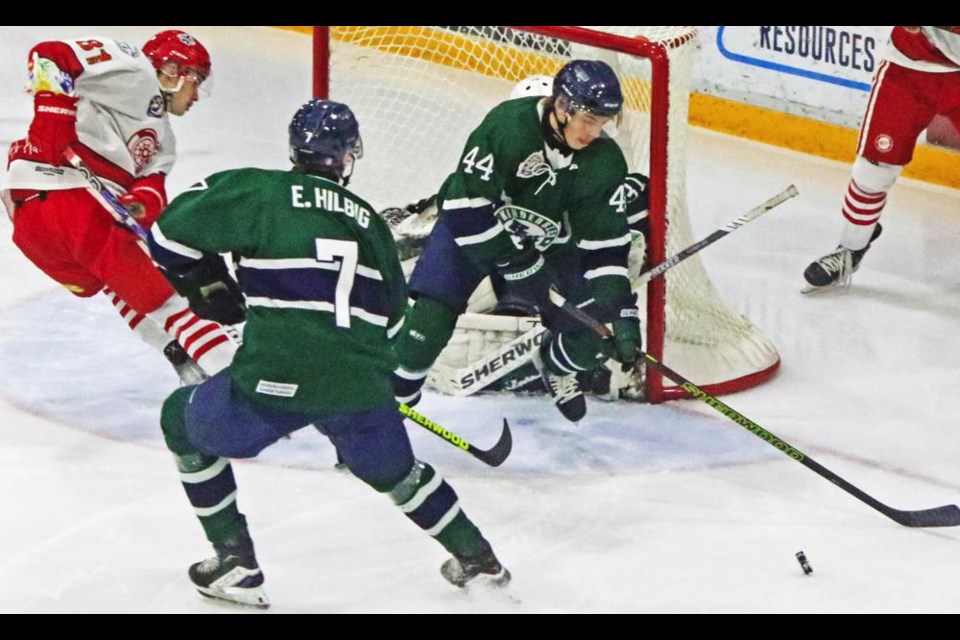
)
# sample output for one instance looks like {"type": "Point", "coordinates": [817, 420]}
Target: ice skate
{"type": "Point", "coordinates": [483, 569]}
{"type": "Point", "coordinates": [565, 390]}
{"type": "Point", "coordinates": [232, 575]}
{"type": "Point", "coordinates": [836, 268]}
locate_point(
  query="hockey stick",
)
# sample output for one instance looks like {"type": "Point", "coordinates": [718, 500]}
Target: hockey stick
{"type": "Point", "coordinates": [104, 195]}
{"type": "Point", "coordinates": [122, 215]}
{"type": "Point", "coordinates": [945, 516]}
{"type": "Point", "coordinates": [493, 456]}
{"type": "Point", "coordinates": [468, 380]}
{"type": "Point", "coordinates": [732, 226]}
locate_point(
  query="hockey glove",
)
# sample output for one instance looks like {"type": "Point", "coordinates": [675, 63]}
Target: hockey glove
{"type": "Point", "coordinates": [212, 293]}
{"type": "Point", "coordinates": [44, 74]}
{"type": "Point", "coordinates": [54, 127]}
{"type": "Point", "coordinates": [527, 276]}
{"type": "Point", "coordinates": [627, 339]}
{"type": "Point", "coordinates": [146, 199]}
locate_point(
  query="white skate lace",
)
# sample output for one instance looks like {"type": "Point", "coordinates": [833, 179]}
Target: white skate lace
{"type": "Point", "coordinates": [564, 388]}
{"type": "Point", "coordinates": [841, 263]}
{"type": "Point", "coordinates": [210, 565]}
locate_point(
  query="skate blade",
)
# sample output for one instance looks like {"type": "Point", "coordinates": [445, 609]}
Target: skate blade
{"type": "Point", "coordinates": [836, 286]}
{"type": "Point", "coordinates": [492, 589]}
{"type": "Point", "coordinates": [253, 597]}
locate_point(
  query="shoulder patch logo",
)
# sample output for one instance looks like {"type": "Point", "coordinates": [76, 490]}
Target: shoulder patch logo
{"type": "Point", "coordinates": [536, 165]}
{"type": "Point", "coordinates": [157, 107]}
{"type": "Point", "coordinates": [131, 51]}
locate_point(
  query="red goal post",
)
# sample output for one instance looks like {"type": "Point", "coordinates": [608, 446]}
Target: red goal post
{"type": "Point", "coordinates": [418, 91]}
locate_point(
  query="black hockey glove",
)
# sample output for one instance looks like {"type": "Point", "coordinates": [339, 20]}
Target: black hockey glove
{"type": "Point", "coordinates": [527, 276]}
{"type": "Point", "coordinates": [221, 302]}
{"type": "Point", "coordinates": [627, 339]}
{"type": "Point", "coordinates": [212, 293]}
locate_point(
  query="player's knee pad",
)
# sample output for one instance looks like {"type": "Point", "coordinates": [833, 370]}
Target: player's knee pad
{"type": "Point", "coordinates": [431, 503]}
{"type": "Point", "coordinates": [875, 177]}
{"type": "Point", "coordinates": [197, 462]}
{"type": "Point", "coordinates": [402, 491]}
{"type": "Point", "coordinates": [173, 422]}
{"type": "Point", "coordinates": [427, 329]}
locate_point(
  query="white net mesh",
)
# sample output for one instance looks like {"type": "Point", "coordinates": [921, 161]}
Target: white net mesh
{"type": "Point", "coordinates": [419, 91]}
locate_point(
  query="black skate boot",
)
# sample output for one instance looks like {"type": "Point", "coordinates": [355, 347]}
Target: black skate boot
{"type": "Point", "coordinates": [564, 389]}
{"type": "Point", "coordinates": [838, 267]}
{"type": "Point", "coordinates": [481, 569]}
{"type": "Point", "coordinates": [232, 575]}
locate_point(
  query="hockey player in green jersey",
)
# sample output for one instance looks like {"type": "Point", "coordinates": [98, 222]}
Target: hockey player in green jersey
{"type": "Point", "coordinates": [539, 197]}
{"type": "Point", "coordinates": [324, 293]}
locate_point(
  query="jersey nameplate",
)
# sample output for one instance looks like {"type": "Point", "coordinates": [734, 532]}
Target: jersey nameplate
{"type": "Point", "coordinates": [329, 201]}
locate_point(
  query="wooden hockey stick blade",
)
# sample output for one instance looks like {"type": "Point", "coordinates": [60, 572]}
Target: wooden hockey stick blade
{"type": "Point", "coordinates": [944, 516]}
{"type": "Point", "coordinates": [494, 456]}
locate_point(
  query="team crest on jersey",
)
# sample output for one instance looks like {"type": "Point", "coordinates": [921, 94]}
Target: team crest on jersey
{"type": "Point", "coordinates": [526, 226]}
{"type": "Point", "coordinates": [143, 145]}
{"type": "Point", "coordinates": [131, 51]}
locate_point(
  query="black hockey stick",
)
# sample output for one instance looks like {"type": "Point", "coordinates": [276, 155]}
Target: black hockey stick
{"type": "Point", "coordinates": [945, 516]}
{"type": "Point", "coordinates": [493, 456]}
{"type": "Point", "coordinates": [120, 212]}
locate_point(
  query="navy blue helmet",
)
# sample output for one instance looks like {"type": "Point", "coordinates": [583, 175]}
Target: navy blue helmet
{"type": "Point", "coordinates": [321, 133]}
{"type": "Point", "coordinates": [591, 85]}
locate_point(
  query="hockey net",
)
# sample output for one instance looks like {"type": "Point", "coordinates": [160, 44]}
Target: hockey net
{"type": "Point", "coordinates": [419, 91]}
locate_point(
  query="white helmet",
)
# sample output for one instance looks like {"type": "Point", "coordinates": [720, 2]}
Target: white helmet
{"type": "Point", "coordinates": [533, 86]}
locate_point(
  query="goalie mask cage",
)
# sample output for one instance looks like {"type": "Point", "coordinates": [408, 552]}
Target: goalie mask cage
{"type": "Point", "coordinates": [419, 91]}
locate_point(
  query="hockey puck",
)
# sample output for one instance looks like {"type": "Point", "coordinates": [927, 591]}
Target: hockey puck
{"type": "Point", "coordinates": [802, 559]}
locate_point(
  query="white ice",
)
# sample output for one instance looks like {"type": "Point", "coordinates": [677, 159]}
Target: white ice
{"type": "Point", "coordinates": [639, 509]}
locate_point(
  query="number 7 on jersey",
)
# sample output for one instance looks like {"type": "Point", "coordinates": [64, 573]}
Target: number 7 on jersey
{"type": "Point", "coordinates": [340, 256]}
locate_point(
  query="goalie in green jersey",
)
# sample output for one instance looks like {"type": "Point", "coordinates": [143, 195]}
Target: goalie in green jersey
{"type": "Point", "coordinates": [539, 199]}
{"type": "Point", "coordinates": [324, 293]}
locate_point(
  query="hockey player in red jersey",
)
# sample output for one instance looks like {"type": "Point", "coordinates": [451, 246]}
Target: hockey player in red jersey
{"type": "Point", "coordinates": [109, 102]}
{"type": "Point", "coordinates": [918, 79]}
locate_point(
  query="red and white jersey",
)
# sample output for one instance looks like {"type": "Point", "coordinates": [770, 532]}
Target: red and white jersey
{"type": "Point", "coordinates": [122, 122]}
{"type": "Point", "coordinates": [933, 49]}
